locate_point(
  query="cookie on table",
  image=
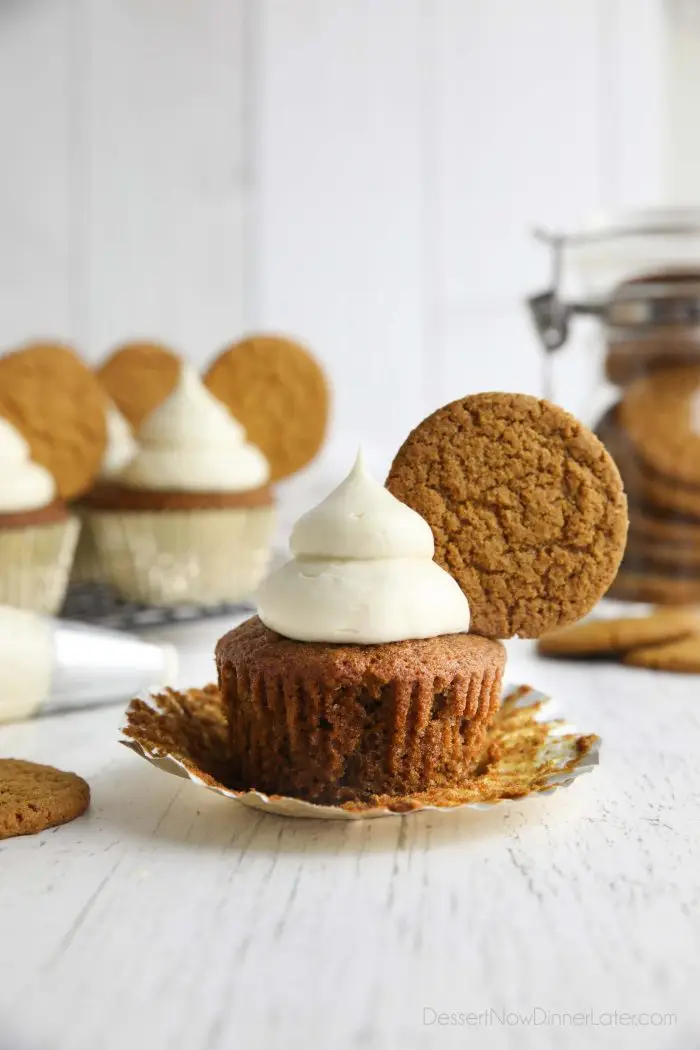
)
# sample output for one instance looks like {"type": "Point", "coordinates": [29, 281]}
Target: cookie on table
{"type": "Point", "coordinates": [661, 414]}
{"type": "Point", "coordinates": [279, 392]}
{"type": "Point", "coordinates": [682, 655]}
{"type": "Point", "coordinates": [526, 506]}
{"type": "Point", "coordinates": [58, 405]}
{"type": "Point", "coordinates": [35, 797]}
{"type": "Point", "coordinates": [138, 377]}
{"type": "Point", "coordinates": [615, 636]}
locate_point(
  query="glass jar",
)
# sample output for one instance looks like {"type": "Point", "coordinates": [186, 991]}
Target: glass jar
{"type": "Point", "coordinates": [638, 277]}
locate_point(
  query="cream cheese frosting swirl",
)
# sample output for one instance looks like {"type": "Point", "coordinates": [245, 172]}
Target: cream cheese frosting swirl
{"type": "Point", "coordinates": [25, 485]}
{"type": "Point", "coordinates": [192, 443]}
{"type": "Point", "coordinates": [121, 445]}
{"type": "Point", "coordinates": [362, 572]}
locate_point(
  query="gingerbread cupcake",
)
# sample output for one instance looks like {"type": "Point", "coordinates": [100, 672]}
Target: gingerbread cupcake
{"type": "Point", "coordinates": [37, 534]}
{"type": "Point", "coordinates": [190, 519]}
{"type": "Point", "coordinates": [119, 451]}
{"type": "Point", "coordinates": [358, 677]}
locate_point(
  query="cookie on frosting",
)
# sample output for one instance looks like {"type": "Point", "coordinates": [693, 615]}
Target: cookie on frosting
{"type": "Point", "coordinates": [279, 392]}
{"type": "Point", "coordinates": [35, 797]}
{"type": "Point", "coordinates": [138, 377]}
{"type": "Point", "coordinates": [615, 636]}
{"type": "Point", "coordinates": [53, 399]}
{"type": "Point", "coordinates": [526, 506]}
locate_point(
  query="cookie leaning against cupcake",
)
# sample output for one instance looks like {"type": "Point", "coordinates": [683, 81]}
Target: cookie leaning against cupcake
{"type": "Point", "coordinates": [190, 518]}
{"type": "Point", "coordinates": [359, 677]}
{"type": "Point", "coordinates": [37, 534]}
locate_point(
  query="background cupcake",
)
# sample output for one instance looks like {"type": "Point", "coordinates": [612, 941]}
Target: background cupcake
{"type": "Point", "coordinates": [37, 535]}
{"type": "Point", "coordinates": [119, 451]}
{"type": "Point", "coordinates": [190, 519]}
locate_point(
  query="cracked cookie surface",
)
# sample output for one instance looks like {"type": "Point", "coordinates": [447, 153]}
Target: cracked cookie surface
{"type": "Point", "coordinates": [35, 797]}
{"type": "Point", "coordinates": [526, 506]}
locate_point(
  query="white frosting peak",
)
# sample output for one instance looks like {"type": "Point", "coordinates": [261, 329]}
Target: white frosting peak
{"type": "Point", "coordinates": [362, 572]}
{"type": "Point", "coordinates": [24, 485]}
{"type": "Point", "coordinates": [361, 519]}
{"type": "Point", "coordinates": [121, 445]}
{"type": "Point", "coordinates": [192, 443]}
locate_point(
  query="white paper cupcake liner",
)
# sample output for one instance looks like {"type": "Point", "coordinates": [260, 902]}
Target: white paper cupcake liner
{"type": "Point", "coordinates": [174, 557]}
{"type": "Point", "coordinates": [86, 566]}
{"type": "Point", "coordinates": [558, 754]}
{"type": "Point", "coordinates": [35, 562]}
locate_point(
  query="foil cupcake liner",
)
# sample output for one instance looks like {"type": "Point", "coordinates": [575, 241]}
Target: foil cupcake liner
{"type": "Point", "coordinates": [174, 557]}
{"type": "Point", "coordinates": [527, 753]}
{"type": "Point", "coordinates": [35, 563]}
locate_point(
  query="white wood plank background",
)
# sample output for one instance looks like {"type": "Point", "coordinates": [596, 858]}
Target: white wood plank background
{"type": "Point", "coordinates": [363, 173]}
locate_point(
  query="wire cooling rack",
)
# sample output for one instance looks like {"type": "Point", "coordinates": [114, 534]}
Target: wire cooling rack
{"type": "Point", "coordinates": [98, 604]}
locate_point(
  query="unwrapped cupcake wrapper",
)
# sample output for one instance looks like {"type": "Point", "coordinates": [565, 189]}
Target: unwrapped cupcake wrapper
{"type": "Point", "coordinates": [176, 557]}
{"type": "Point", "coordinates": [35, 562]}
{"type": "Point", "coordinates": [526, 754]}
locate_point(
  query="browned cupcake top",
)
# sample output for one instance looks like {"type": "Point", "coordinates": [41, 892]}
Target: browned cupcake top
{"type": "Point", "coordinates": [255, 647]}
{"type": "Point", "coordinates": [49, 515]}
{"type": "Point", "coordinates": [120, 498]}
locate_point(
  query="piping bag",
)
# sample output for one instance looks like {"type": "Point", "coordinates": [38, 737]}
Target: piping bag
{"type": "Point", "coordinates": [49, 665]}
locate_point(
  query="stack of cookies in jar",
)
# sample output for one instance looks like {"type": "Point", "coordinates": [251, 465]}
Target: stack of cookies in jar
{"type": "Point", "coordinates": [146, 476]}
{"type": "Point", "coordinates": [652, 431]}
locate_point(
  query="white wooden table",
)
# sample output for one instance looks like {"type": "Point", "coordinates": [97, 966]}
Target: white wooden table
{"type": "Point", "coordinates": [168, 917]}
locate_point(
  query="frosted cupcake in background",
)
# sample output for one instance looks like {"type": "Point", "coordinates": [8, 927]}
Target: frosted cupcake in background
{"type": "Point", "coordinates": [119, 451]}
{"type": "Point", "coordinates": [190, 519]}
{"type": "Point", "coordinates": [37, 534]}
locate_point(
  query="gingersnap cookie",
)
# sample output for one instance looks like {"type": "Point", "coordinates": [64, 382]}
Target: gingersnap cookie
{"type": "Point", "coordinates": [526, 507]}
{"type": "Point", "coordinates": [646, 584]}
{"type": "Point", "coordinates": [676, 557]}
{"type": "Point", "coordinates": [138, 377]}
{"type": "Point", "coordinates": [35, 797]}
{"type": "Point", "coordinates": [612, 637]}
{"type": "Point", "coordinates": [665, 495]}
{"type": "Point", "coordinates": [668, 529]}
{"type": "Point", "coordinates": [661, 414]}
{"type": "Point", "coordinates": [58, 406]}
{"type": "Point", "coordinates": [682, 655]}
{"type": "Point", "coordinates": [276, 389]}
